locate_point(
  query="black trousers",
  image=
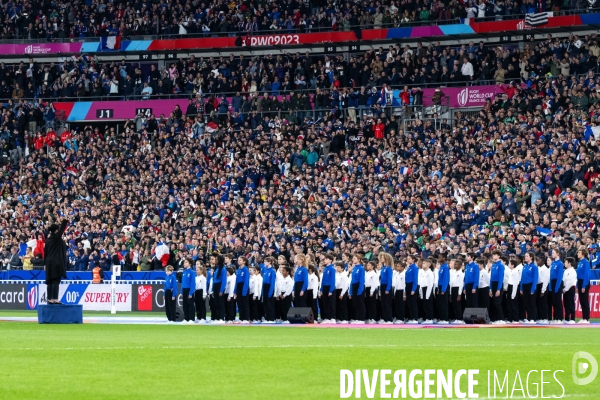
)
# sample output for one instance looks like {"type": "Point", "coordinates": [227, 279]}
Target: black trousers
{"type": "Point", "coordinates": [584, 299]}
{"type": "Point", "coordinates": [341, 306]}
{"type": "Point", "coordinates": [312, 302]}
{"type": "Point", "coordinates": [328, 303]}
{"type": "Point", "coordinates": [542, 302]}
{"type": "Point", "coordinates": [371, 304]}
{"type": "Point", "coordinates": [442, 305]}
{"type": "Point", "coordinates": [497, 302]}
{"type": "Point", "coordinates": [299, 301]}
{"type": "Point", "coordinates": [358, 303]}
{"type": "Point", "coordinates": [512, 305]}
{"type": "Point", "coordinates": [218, 314]}
{"type": "Point", "coordinates": [170, 305]}
{"type": "Point", "coordinates": [411, 301]}
{"type": "Point", "coordinates": [529, 302]}
{"type": "Point", "coordinates": [211, 306]}
{"type": "Point", "coordinates": [200, 304]}
{"type": "Point", "coordinates": [471, 299]}
{"type": "Point", "coordinates": [278, 313]}
{"type": "Point", "coordinates": [229, 308]}
{"type": "Point", "coordinates": [428, 305]}
{"type": "Point", "coordinates": [522, 308]}
{"type": "Point", "coordinates": [243, 304]}
{"type": "Point", "coordinates": [188, 304]}
{"type": "Point", "coordinates": [557, 301]}
{"type": "Point", "coordinates": [253, 308]}
{"type": "Point", "coordinates": [483, 297]}
{"type": "Point", "coordinates": [268, 304]}
{"type": "Point", "coordinates": [569, 299]}
{"type": "Point", "coordinates": [53, 285]}
{"type": "Point", "coordinates": [286, 303]}
{"type": "Point", "coordinates": [386, 305]}
{"type": "Point", "coordinates": [456, 304]}
{"type": "Point", "coordinates": [399, 305]}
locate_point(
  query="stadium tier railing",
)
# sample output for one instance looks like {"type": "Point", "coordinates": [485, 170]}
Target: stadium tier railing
{"type": "Point", "coordinates": [442, 20]}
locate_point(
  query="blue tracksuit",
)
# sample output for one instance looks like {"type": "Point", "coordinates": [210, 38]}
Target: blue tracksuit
{"type": "Point", "coordinates": [188, 280]}
{"type": "Point", "coordinates": [171, 284]}
{"type": "Point", "coordinates": [358, 276]}
{"type": "Point", "coordinates": [269, 279]}
{"type": "Point", "coordinates": [220, 277]}
{"type": "Point", "coordinates": [301, 275]}
{"type": "Point", "coordinates": [209, 276]}
{"type": "Point", "coordinates": [328, 278]}
{"type": "Point", "coordinates": [583, 273]}
{"type": "Point", "coordinates": [412, 276]}
{"type": "Point", "coordinates": [530, 274]}
{"type": "Point", "coordinates": [497, 274]}
{"type": "Point", "coordinates": [557, 270]}
{"type": "Point", "coordinates": [385, 279]}
{"type": "Point", "coordinates": [472, 275]}
{"type": "Point", "coordinates": [444, 278]}
{"type": "Point", "coordinates": [242, 276]}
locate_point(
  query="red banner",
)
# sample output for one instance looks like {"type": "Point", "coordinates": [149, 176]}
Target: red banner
{"type": "Point", "coordinates": [520, 25]}
{"type": "Point", "coordinates": [266, 40]}
{"type": "Point", "coordinates": [594, 298]}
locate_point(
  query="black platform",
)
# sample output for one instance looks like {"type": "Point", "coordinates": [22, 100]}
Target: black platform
{"type": "Point", "coordinates": [60, 314]}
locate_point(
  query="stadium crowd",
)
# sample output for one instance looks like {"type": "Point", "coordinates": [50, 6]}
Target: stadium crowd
{"type": "Point", "coordinates": [62, 20]}
{"type": "Point", "coordinates": [522, 176]}
{"type": "Point", "coordinates": [332, 77]}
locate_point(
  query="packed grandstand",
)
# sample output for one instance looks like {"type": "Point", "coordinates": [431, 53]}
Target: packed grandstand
{"type": "Point", "coordinates": [296, 152]}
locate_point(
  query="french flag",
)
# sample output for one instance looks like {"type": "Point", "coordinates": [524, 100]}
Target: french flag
{"type": "Point", "coordinates": [161, 252]}
{"type": "Point", "coordinates": [111, 43]}
{"type": "Point", "coordinates": [405, 171]}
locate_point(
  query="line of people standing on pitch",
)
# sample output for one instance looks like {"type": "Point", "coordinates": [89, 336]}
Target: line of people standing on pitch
{"type": "Point", "coordinates": [355, 290]}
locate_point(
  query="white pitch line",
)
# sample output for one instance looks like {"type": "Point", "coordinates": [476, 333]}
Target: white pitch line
{"type": "Point", "coordinates": [283, 346]}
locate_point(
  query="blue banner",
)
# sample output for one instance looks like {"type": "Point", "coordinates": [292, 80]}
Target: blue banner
{"type": "Point", "coordinates": [39, 275]}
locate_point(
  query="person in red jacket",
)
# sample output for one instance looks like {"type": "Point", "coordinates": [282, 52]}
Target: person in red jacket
{"type": "Point", "coordinates": [66, 135]}
{"type": "Point", "coordinates": [378, 129]}
{"type": "Point", "coordinates": [38, 142]}
{"type": "Point", "coordinates": [50, 137]}
{"type": "Point", "coordinates": [405, 96]}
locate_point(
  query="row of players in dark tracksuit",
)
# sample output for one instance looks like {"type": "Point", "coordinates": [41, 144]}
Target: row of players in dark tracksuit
{"type": "Point", "coordinates": [516, 289]}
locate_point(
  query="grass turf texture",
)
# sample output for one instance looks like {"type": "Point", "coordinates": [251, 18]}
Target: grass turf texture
{"type": "Point", "coordinates": [220, 362]}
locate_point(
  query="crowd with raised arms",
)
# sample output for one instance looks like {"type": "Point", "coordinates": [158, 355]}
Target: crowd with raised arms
{"type": "Point", "coordinates": [56, 20]}
{"type": "Point", "coordinates": [355, 289]}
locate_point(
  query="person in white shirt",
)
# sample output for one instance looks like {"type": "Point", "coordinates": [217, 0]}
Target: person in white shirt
{"type": "Point", "coordinates": [200, 294]}
{"type": "Point", "coordinates": [371, 292]}
{"type": "Point", "coordinates": [512, 289]}
{"type": "Point", "coordinates": [278, 279]}
{"type": "Point", "coordinates": [467, 70]}
{"type": "Point", "coordinates": [483, 291]}
{"type": "Point", "coordinates": [426, 288]}
{"type": "Point", "coordinates": [521, 303]}
{"type": "Point", "coordinates": [312, 292]}
{"type": "Point", "coordinates": [256, 283]}
{"type": "Point", "coordinates": [399, 293]}
{"type": "Point", "coordinates": [230, 304]}
{"type": "Point", "coordinates": [569, 282]}
{"type": "Point", "coordinates": [456, 288]}
{"type": "Point", "coordinates": [542, 286]}
{"type": "Point", "coordinates": [341, 291]}
{"type": "Point", "coordinates": [418, 293]}
{"type": "Point", "coordinates": [284, 291]}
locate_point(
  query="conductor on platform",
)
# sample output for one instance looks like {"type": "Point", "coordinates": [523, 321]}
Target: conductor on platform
{"type": "Point", "coordinates": [55, 261]}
